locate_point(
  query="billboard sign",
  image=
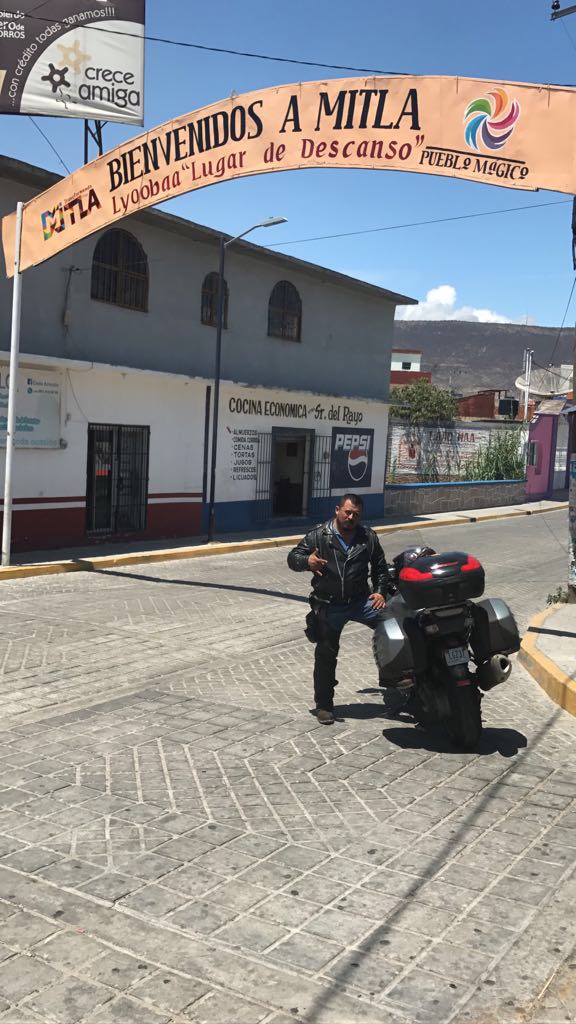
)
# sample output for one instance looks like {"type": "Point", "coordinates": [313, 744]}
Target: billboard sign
{"type": "Point", "coordinates": [516, 135]}
{"type": "Point", "coordinates": [65, 58]}
{"type": "Point", "coordinates": [351, 459]}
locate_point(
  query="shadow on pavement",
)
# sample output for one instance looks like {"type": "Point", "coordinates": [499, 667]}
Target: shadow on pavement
{"type": "Point", "coordinates": [360, 711]}
{"type": "Point", "coordinates": [506, 742]}
{"type": "Point", "coordinates": [197, 583]}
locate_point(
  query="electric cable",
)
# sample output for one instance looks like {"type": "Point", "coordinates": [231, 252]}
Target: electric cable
{"type": "Point", "coordinates": [570, 39]}
{"type": "Point", "coordinates": [369, 231]}
{"type": "Point", "coordinates": [421, 223]}
{"type": "Point", "coordinates": [563, 322]}
{"type": "Point", "coordinates": [221, 49]}
{"type": "Point", "coordinates": [52, 146]}
{"type": "Point", "coordinates": [553, 373]}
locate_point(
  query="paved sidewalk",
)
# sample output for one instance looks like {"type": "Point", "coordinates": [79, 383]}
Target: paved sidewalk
{"type": "Point", "coordinates": [549, 653]}
{"type": "Point", "coordinates": [182, 843]}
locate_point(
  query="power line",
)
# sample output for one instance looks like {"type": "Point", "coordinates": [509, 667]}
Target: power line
{"type": "Point", "coordinates": [552, 373]}
{"type": "Point", "coordinates": [563, 322]}
{"type": "Point", "coordinates": [52, 147]}
{"type": "Point", "coordinates": [368, 231]}
{"type": "Point", "coordinates": [565, 27]}
{"type": "Point", "coordinates": [221, 49]}
{"type": "Point", "coordinates": [420, 223]}
{"type": "Point", "coordinates": [37, 8]}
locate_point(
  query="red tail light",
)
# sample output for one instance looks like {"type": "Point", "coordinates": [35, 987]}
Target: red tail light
{"type": "Point", "coordinates": [472, 563]}
{"type": "Point", "coordinates": [414, 574]}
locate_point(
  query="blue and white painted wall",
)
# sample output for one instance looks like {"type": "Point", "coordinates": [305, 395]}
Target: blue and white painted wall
{"type": "Point", "coordinates": [286, 456]}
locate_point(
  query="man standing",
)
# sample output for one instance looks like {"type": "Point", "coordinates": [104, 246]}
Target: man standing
{"type": "Point", "coordinates": [349, 585]}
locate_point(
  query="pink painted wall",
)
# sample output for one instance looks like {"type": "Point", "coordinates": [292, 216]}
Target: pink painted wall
{"type": "Point", "coordinates": [542, 433]}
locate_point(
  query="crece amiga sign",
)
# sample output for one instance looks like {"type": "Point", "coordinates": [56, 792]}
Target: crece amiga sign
{"type": "Point", "coordinates": [69, 58]}
{"type": "Point", "coordinates": [504, 133]}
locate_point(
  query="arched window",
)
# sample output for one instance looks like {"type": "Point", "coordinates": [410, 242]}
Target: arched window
{"type": "Point", "coordinates": [209, 304]}
{"type": "Point", "coordinates": [120, 271]}
{"type": "Point", "coordinates": [285, 312]}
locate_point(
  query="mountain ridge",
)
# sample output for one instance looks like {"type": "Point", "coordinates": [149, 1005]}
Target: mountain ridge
{"type": "Point", "coordinates": [469, 356]}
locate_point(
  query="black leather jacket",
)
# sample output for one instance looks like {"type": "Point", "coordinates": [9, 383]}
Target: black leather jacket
{"type": "Point", "coordinates": [347, 576]}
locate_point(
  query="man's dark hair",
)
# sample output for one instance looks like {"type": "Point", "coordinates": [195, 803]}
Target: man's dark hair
{"type": "Point", "coordinates": [355, 499]}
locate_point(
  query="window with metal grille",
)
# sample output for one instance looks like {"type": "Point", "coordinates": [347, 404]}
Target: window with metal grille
{"type": "Point", "coordinates": [285, 312]}
{"type": "Point", "coordinates": [117, 479]}
{"type": "Point", "coordinates": [209, 304]}
{"type": "Point", "coordinates": [321, 467]}
{"type": "Point", "coordinates": [120, 271]}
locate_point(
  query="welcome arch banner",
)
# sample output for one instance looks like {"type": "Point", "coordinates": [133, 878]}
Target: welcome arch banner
{"type": "Point", "coordinates": [500, 133]}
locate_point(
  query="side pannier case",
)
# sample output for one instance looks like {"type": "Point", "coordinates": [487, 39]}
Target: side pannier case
{"type": "Point", "coordinates": [440, 580]}
{"type": "Point", "coordinates": [494, 631]}
{"type": "Point", "coordinates": [398, 649]}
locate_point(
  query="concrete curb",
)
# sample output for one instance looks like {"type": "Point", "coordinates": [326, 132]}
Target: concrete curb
{"type": "Point", "coordinates": [12, 572]}
{"type": "Point", "coordinates": [559, 687]}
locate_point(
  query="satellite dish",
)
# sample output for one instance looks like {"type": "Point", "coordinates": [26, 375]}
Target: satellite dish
{"type": "Point", "coordinates": [543, 383]}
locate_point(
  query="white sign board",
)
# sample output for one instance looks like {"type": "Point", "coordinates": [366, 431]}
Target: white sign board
{"type": "Point", "coordinates": [37, 408]}
{"type": "Point", "coordinates": [248, 414]}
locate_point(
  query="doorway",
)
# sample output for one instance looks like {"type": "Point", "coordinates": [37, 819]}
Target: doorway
{"type": "Point", "coordinates": [291, 454]}
{"type": "Point", "coordinates": [117, 479]}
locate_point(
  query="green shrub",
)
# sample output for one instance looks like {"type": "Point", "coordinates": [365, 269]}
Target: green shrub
{"type": "Point", "coordinates": [500, 459]}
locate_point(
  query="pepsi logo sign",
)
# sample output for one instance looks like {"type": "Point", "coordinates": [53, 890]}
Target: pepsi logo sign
{"type": "Point", "coordinates": [357, 463]}
{"type": "Point", "coordinates": [351, 458]}
{"type": "Point", "coordinates": [347, 442]}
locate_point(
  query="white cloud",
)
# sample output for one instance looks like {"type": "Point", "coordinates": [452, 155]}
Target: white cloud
{"type": "Point", "coordinates": [440, 304]}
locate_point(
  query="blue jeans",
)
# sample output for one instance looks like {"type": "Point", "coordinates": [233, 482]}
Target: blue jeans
{"type": "Point", "coordinates": [331, 621]}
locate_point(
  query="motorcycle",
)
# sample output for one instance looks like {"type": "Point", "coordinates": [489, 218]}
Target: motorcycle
{"type": "Point", "coordinates": [436, 635]}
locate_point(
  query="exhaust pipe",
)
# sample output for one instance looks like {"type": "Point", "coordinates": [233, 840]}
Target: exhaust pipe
{"type": "Point", "coordinates": [493, 672]}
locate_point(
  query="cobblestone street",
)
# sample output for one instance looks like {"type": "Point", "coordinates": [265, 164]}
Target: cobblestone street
{"type": "Point", "coordinates": [180, 841]}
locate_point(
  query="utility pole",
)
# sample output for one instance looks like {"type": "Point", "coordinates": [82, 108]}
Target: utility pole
{"type": "Point", "coordinates": [572, 485]}
{"type": "Point", "coordinates": [559, 12]}
{"type": "Point", "coordinates": [95, 133]}
{"type": "Point", "coordinates": [527, 372]}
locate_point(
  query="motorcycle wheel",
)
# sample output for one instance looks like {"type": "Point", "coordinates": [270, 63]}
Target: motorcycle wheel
{"type": "Point", "coordinates": [464, 724]}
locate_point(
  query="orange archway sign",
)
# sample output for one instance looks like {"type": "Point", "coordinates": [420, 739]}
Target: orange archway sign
{"type": "Point", "coordinates": [512, 134]}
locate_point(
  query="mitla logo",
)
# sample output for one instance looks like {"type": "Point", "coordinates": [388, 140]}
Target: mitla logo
{"type": "Point", "coordinates": [358, 448]}
{"type": "Point", "coordinates": [78, 208]}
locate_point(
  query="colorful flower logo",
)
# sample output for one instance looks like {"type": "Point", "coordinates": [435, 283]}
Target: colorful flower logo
{"type": "Point", "coordinates": [491, 120]}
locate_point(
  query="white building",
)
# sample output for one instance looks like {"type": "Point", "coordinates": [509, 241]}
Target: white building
{"type": "Point", "coordinates": [115, 387]}
{"type": "Point", "coordinates": [406, 359]}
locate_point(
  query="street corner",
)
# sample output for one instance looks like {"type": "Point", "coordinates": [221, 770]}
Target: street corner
{"type": "Point", "coordinates": [548, 653]}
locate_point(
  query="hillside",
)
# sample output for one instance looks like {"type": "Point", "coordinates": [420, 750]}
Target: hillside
{"type": "Point", "coordinates": [471, 356]}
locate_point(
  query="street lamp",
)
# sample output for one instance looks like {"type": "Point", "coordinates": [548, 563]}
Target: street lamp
{"type": "Point", "coordinates": [558, 12]}
{"type": "Point", "coordinates": [268, 223]}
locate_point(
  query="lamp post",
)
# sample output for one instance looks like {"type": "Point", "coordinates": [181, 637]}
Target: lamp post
{"type": "Point", "coordinates": [268, 223]}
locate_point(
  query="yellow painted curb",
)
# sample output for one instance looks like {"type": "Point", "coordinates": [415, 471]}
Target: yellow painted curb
{"type": "Point", "coordinates": [136, 557]}
{"type": "Point", "coordinates": [92, 564]}
{"type": "Point", "coordinates": [559, 687]}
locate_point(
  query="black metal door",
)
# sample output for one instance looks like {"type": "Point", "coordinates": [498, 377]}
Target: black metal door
{"type": "Point", "coordinates": [264, 478]}
{"type": "Point", "coordinates": [117, 479]}
{"type": "Point", "coordinates": [321, 466]}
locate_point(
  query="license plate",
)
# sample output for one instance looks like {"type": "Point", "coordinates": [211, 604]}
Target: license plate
{"type": "Point", "coordinates": [457, 656]}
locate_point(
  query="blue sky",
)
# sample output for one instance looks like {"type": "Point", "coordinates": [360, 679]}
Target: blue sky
{"type": "Point", "coordinates": [516, 265]}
